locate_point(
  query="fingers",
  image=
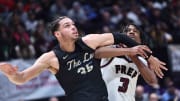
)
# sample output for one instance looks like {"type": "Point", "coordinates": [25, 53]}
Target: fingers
{"type": "Point", "coordinates": [163, 67]}
{"type": "Point", "coordinates": [11, 72]}
{"type": "Point", "coordinates": [145, 48]}
{"type": "Point", "coordinates": [162, 63]}
{"type": "Point", "coordinates": [157, 66]}
{"type": "Point", "coordinates": [159, 73]}
{"type": "Point", "coordinates": [8, 69]}
{"type": "Point", "coordinates": [143, 51]}
{"type": "Point", "coordinates": [15, 68]}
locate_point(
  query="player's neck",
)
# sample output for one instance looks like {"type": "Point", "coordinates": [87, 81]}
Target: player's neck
{"type": "Point", "coordinates": [68, 46]}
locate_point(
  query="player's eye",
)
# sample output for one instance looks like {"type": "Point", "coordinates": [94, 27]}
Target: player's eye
{"type": "Point", "coordinates": [66, 25]}
{"type": "Point", "coordinates": [128, 30]}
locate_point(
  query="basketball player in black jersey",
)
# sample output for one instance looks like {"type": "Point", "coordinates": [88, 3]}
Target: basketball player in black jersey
{"type": "Point", "coordinates": [72, 62]}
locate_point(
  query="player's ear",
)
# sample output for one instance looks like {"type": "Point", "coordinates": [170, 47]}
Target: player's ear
{"type": "Point", "coordinates": [56, 33]}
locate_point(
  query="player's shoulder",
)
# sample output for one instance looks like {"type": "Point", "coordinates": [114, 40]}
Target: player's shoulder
{"type": "Point", "coordinates": [89, 38]}
{"type": "Point", "coordinates": [94, 36]}
{"type": "Point", "coordinates": [48, 55]}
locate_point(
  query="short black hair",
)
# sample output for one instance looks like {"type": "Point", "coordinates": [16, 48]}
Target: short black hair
{"type": "Point", "coordinates": [53, 26]}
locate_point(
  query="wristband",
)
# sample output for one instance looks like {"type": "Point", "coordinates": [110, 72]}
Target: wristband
{"type": "Point", "coordinates": [122, 38]}
{"type": "Point", "coordinates": [148, 55]}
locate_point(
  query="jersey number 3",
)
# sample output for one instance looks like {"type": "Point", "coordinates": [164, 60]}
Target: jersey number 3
{"type": "Point", "coordinates": [124, 87]}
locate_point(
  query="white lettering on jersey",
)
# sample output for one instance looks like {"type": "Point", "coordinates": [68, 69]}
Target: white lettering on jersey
{"type": "Point", "coordinates": [120, 77]}
{"type": "Point", "coordinates": [76, 63]}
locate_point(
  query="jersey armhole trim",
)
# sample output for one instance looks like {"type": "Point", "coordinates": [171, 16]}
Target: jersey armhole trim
{"type": "Point", "coordinates": [107, 63]}
{"type": "Point", "coordinates": [81, 43]}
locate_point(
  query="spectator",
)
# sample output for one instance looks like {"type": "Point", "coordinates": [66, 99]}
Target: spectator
{"type": "Point", "coordinates": [53, 98]}
{"type": "Point", "coordinates": [116, 14]}
{"type": "Point", "coordinates": [77, 13]}
{"type": "Point", "coordinates": [59, 8]}
{"type": "Point", "coordinates": [140, 94]}
{"type": "Point", "coordinates": [5, 42]}
{"type": "Point", "coordinates": [22, 44]}
{"type": "Point", "coordinates": [31, 22]}
{"type": "Point", "coordinates": [171, 93]}
{"type": "Point", "coordinates": [41, 39]}
{"type": "Point", "coordinates": [153, 97]}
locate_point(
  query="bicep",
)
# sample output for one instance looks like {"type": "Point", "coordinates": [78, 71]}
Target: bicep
{"type": "Point", "coordinates": [105, 39]}
{"type": "Point", "coordinates": [40, 64]}
{"type": "Point", "coordinates": [98, 40]}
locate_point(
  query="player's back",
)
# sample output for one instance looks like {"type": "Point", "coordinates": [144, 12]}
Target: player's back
{"type": "Point", "coordinates": [120, 75]}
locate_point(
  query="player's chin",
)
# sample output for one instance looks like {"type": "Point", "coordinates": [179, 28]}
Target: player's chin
{"type": "Point", "coordinates": [76, 37]}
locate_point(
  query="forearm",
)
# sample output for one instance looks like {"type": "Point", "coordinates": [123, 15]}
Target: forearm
{"type": "Point", "coordinates": [108, 52]}
{"type": "Point", "coordinates": [146, 73]}
{"type": "Point", "coordinates": [31, 72]}
{"type": "Point", "coordinates": [11, 73]}
{"type": "Point", "coordinates": [17, 78]}
{"type": "Point", "coordinates": [25, 75]}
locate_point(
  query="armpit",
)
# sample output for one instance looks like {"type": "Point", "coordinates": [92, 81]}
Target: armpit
{"type": "Point", "coordinates": [53, 70]}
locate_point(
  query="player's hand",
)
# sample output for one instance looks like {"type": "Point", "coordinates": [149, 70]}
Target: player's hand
{"type": "Point", "coordinates": [140, 50]}
{"type": "Point", "coordinates": [8, 69]}
{"type": "Point", "coordinates": [157, 65]}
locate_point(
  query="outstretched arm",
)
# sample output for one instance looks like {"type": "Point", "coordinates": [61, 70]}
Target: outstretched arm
{"type": "Point", "coordinates": [20, 77]}
{"type": "Point", "coordinates": [107, 52]}
{"type": "Point", "coordinates": [98, 40]}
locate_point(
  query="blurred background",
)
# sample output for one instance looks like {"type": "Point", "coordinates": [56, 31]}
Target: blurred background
{"type": "Point", "coordinates": [24, 36]}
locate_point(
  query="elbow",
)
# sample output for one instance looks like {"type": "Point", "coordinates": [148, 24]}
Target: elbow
{"type": "Point", "coordinates": [17, 82]}
{"type": "Point", "coordinates": [98, 54]}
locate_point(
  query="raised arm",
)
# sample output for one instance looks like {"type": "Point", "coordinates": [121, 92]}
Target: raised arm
{"type": "Point", "coordinates": [20, 77]}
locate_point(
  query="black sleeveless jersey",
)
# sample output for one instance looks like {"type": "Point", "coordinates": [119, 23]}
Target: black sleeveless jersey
{"type": "Point", "coordinates": [79, 74]}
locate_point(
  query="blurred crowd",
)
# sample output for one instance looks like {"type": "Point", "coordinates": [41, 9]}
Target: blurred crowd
{"type": "Point", "coordinates": [143, 93]}
{"type": "Point", "coordinates": [24, 23]}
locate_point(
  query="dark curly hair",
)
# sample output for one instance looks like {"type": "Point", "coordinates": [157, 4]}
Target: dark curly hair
{"type": "Point", "coordinates": [144, 38]}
